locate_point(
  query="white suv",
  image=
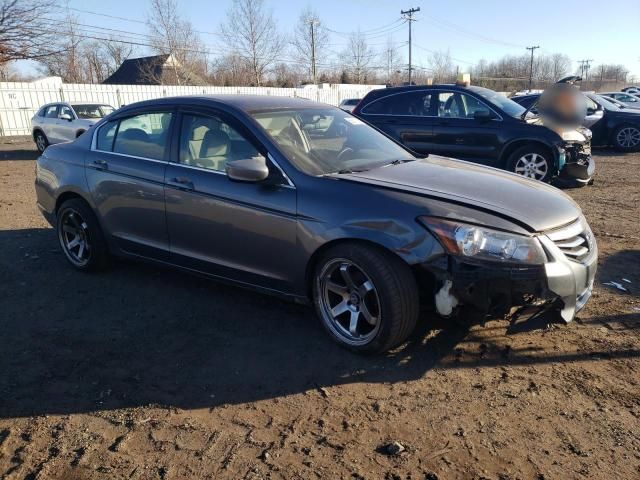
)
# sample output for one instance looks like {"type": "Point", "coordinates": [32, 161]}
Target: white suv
{"type": "Point", "coordinates": [63, 122]}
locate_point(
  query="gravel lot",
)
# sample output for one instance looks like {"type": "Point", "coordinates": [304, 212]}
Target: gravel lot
{"type": "Point", "coordinates": [144, 373]}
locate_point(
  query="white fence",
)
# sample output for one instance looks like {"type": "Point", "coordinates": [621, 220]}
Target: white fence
{"type": "Point", "coordinates": [19, 101]}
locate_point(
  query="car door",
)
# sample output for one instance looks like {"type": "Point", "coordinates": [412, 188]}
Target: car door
{"type": "Point", "coordinates": [405, 116]}
{"type": "Point", "coordinates": [458, 134]}
{"type": "Point", "coordinates": [48, 123]}
{"type": "Point", "coordinates": [236, 230]}
{"type": "Point", "coordinates": [65, 128]}
{"type": "Point", "coordinates": [125, 172]}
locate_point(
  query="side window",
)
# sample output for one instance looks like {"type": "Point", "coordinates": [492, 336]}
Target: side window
{"type": "Point", "coordinates": [417, 104]}
{"type": "Point", "coordinates": [51, 111]}
{"type": "Point", "coordinates": [64, 110]}
{"type": "Point", "coordinates": [209, 142]}
{"type": "Point", "coordinates": [144, 135]}
{"type": "Point", "coordinates": [41, 112]}
{"type": "Point", "coordinates": [458, 105]}
{"type": "Point", "coordinates": [105, 136]}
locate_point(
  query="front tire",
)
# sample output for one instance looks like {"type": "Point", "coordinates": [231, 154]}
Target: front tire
{"type": "Point", "coordinates": [80, 236]}
{"type": "Point", "coordinates": [626, 138]}
{"type": "Point", "coordinates": [41, 141]}
{"type": "Point", "coordinates": [532, 162]}
{"type": "Point", "coordinates": [366, 298]}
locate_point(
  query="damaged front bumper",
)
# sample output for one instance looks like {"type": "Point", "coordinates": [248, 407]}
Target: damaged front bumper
{"type": "Point", "coordinates": [563, 284]}
{"type": "Point", "coordinates": [577, 165]}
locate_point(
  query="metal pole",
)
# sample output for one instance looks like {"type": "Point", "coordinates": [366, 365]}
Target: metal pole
{"type": "Point", "coordinates": [409, 16]}
{"type": "Point", "coordinates": [531, 67]}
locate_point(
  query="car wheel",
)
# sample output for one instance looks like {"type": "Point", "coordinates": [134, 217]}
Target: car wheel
{"type": "Point", "coordinates": [366, 298]}
{"type": "Point", "coordinates": [626, 138]}
{"type": "Point", "coordinates": [80, 236]}
{"type": "Point", "coordinates": [532, 162]}
{"type": "Point", "coordinates": [41, 141]}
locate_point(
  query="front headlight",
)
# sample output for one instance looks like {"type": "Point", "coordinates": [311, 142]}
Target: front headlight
{"type": "Point", "coordinates": [483, 243]}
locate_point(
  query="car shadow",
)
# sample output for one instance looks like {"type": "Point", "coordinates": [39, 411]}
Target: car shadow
{"type": "Point", "coordinates": [18, 153]}
{"type": "Point", "coordinates": [138, 335]}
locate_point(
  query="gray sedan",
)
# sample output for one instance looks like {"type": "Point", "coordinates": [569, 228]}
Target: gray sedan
{"type": "Point", "coordinates": [307, 202]}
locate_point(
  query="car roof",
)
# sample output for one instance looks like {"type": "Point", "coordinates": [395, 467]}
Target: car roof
{"type": "Point", "coordinates": [245, 103]}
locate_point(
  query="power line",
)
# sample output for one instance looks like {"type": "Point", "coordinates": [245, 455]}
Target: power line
{"type": "Point", "coordinates": [408, 15]}
{"type": "Point", "coordinates": [469, 33]}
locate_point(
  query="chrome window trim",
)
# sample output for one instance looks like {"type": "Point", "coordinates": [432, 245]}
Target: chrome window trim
{"type": "Point", "coordinates": [363, 112]}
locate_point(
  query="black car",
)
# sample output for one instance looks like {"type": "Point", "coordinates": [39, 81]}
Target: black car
{"type": "Point", "coordinates": [479, 125]}
{"type": "Point", "coordinates": [611, 123]}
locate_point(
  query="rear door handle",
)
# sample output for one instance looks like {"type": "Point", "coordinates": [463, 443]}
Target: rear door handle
{"type": "Point", "coordinates": [183, 183]}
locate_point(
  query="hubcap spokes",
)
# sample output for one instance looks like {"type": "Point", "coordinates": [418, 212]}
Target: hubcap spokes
{"type": "Point", "coordinates": [40, 142]}
{"type": "Point", "coordinates": [74, 238]}
{"type": "Point", "coordinates": [350, 301]}
{"type": "Point", "coordinates": [629, 137]}
{"type": "Point", "coordinates": [532, 165]}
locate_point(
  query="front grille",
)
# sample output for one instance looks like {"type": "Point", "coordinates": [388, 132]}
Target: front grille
{"type": "Point", "coordinates": [574, 240]}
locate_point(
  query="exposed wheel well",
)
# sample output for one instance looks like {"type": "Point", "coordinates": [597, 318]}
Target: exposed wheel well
{"type": "Point", "coordinates": [521, 143]}
{"type": "Point", "coordinates": [313, 261]}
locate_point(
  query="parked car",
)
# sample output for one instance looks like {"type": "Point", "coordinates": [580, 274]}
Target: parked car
{"type": "Point", "coordinates": [348, 104]}
{"type": "Point", "coordinates": [611, 123]}
{"type": "Point", "coordinates": [479, 125]}
{"type": "Point", "coordinates": [630, 100]}
{"type": "Point", "coordinates": [63, 122]}
{"type": "Point", "coordinates": [633, 90]}
{"type": "Point", "coordinates": [308, 202]}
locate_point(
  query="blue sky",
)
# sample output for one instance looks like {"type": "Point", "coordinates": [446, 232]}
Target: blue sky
{"type": "Point", "coordinates": [605, 32]}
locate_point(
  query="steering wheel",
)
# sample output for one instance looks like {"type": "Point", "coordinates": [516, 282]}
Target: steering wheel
{"type": "Point", "coordinates": [344, 152]}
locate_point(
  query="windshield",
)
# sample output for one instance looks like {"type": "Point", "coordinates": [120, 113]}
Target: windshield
{"type": "Point", "coordinates": [327, 140]}
{"type": "Point", "coordinates": [92, 111]}
{"type": "Point", "coordinates": [507, 105]}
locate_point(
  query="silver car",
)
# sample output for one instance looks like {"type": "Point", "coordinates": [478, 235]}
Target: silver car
{"type": "Point", "coordinates": [348, 104]}
{"type": "Point", "coordinates": [63, 122]}
{"type": "Point", "coordinates": [628, 99]}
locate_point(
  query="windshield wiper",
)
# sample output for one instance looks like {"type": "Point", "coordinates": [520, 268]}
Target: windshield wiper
{"type": "Point", "coordinates": [398, 162]}
{"type": "Point", "coordinates": [346, 171]}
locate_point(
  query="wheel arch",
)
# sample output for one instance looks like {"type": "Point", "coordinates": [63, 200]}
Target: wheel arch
{"type": "Point", "coordinates": [80, 132]}
{"type": "Point", "coordinates": [321, 250]}
{"type": "Point", "coordinates": [37, 130]}
{"type": "Point", "coordinates": [516, 144]}
{"type": "Point", "coordinates": [68, 195]}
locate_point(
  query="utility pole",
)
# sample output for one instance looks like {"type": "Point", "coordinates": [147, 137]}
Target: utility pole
{"type": "Point", "coordinates": [584, 68]}
{"type": "Point", "coordinates": [531, 67]}
{"type": "Point", "coordinates": [313, 23]}
{"type": "Point", "coordinates": [409, 16]}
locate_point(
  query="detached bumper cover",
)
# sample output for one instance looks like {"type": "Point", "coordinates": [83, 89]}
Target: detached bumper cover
{"type": "Point", "coordinates": [579, 164]}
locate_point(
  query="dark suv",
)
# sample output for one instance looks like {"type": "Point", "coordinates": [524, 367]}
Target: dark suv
{"type": "Point", "coordinates": [480, 125]}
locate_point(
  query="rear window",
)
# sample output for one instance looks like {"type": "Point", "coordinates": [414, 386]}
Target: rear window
{"type": "Point", "coordinates": [144, 135]}
{"type": "Point", "coordinates": [105, 136]}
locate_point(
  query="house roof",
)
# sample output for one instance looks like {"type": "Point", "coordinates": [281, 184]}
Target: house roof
{"type": "Point", "coordinates": [139, 71]}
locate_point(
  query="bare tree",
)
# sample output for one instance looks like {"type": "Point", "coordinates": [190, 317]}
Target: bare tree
{"type": "Point", "coordinates": [392, 61]}
{"type": "Point", "coordinates": [24, 33]}
{"type": "Point", "coordinates": [173, 35]}
{"type": "Point", "coordinates": [441, 66]}
{"type": "Point", "coordinates": [68, 60]}
{"type": "Point", "coordinates": [357, 57]}
{"type": "Point", "coordinates": [561, 65]}
{"type": "Point", "coordinates": [310, 41]}
{"type": "Point", "coordinates": [251, 33]}
{"type": "Point", "coordinates": [115, 53]}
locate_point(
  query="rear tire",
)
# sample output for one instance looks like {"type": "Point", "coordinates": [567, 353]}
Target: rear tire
{"type": "Point", "coordinates": [366, 298]}
{"type": "Point", "coordinates": [80, 236]}
{"type": "Point", "coordinates": [41, 141]}
{"type": "Point", "coordinates": [626, 138]}
{"type": "Point", "coordinates": [533, 162]}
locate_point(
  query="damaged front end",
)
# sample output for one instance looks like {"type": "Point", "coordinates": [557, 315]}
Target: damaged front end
{"type": "Point", "coordinates": [576, 162]}
{"type": "Point", "coordinates": [553, 272]}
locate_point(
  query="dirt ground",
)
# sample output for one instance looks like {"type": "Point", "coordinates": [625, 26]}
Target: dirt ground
{"type": "Point", "coordinates": [144, 373]}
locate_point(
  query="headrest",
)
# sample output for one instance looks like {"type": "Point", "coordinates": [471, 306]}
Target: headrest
{"type": "Point", "coordinates": [134, 134]}
{"type": "Point", "coordinates": [214, 144]}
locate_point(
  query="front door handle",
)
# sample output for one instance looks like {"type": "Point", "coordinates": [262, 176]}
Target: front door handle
{"type": "Point", "coordinates": [101, 164]}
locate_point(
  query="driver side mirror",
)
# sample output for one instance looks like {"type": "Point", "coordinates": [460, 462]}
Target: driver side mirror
{"type": "Point", "coordinates": [247, 169]}
{"type": "Point", "coordinates": [66, 116]}
{"type": "Point", "coordinates": [591, 111]}
{"type": "Point", "coordinates": [482, 115]}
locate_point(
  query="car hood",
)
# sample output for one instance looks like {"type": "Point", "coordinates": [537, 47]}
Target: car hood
{"type": "Point", "coordinates": [530, 203]}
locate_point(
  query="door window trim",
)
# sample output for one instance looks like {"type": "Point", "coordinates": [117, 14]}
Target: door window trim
{"type": "Point", "coordinates": [427, 90]}
{"type": "Point", "coordinates": [170, 136]}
